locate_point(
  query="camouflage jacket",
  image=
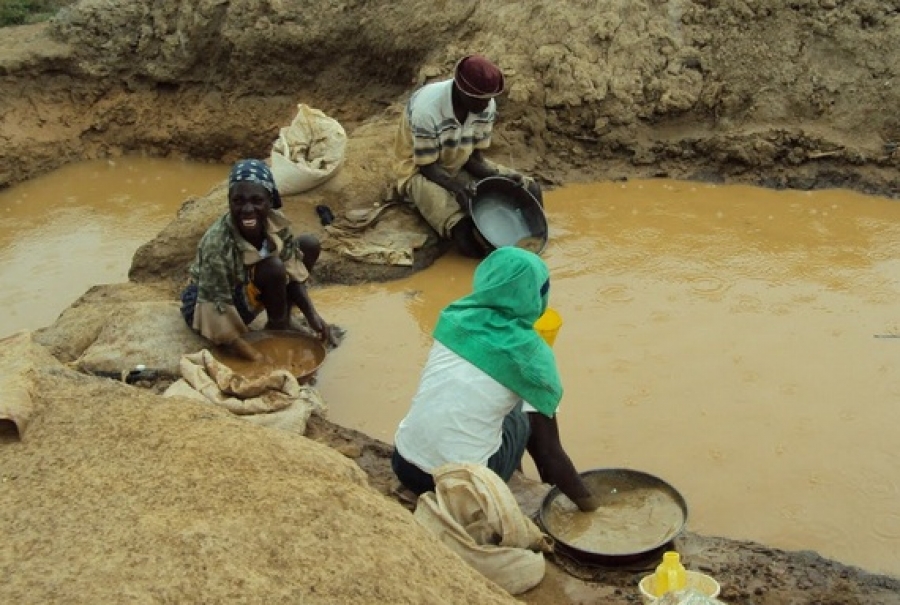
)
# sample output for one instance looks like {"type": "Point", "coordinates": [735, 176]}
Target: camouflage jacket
{"type": "Point", "coordinates": [222, 264]}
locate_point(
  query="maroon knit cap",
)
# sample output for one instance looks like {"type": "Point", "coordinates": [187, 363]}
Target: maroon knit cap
{"type": "Point", "coordinates": [477, 77]}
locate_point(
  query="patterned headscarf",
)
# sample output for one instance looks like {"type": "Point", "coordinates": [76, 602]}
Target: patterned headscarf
{"type": "Point", "coordinates": [255, 171]}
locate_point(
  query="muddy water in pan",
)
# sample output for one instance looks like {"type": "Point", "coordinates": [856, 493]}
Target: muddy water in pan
{"type": "Point", "coordinates": [632, 519]}
{"type": "Point", "coordinates": [298, 354]}
{"type": "Point", "coordinates": [734, 341]}
{"type": "Point", "coordinates": [80, 225]}
{"type": "Point", "coordinates": [618, 527]}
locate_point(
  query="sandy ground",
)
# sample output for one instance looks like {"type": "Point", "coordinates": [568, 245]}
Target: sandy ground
{"type": "Point", "coordinates": [114, 491]}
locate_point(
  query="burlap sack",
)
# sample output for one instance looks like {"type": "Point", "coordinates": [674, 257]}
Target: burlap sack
{"type": "Point", "coordinates": [308, 151]}
{"type": "Point", "coordinates": [475, 514]}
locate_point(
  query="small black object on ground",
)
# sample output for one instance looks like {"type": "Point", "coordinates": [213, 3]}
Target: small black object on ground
{"type": "Point", "coordinates": [326, 216]}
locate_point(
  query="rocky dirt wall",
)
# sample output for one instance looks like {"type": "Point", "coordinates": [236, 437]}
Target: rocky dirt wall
{"type": "Point", "coordinates": [793, 93]}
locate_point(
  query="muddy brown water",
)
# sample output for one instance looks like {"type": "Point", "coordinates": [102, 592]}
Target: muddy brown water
{"type": "Point", "coordinates": [734, 341]}
{"type": "Point", "coordinates": [737, 342]}
{"type": "Point", "coordinates": [80, 225]}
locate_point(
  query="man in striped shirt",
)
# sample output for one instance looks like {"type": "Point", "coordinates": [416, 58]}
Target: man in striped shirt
{"type": "Point", "coordinates": [443, 132]}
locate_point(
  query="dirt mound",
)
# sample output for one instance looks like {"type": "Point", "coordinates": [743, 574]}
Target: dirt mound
{"type": "Point", "coordinates": [115, 493]}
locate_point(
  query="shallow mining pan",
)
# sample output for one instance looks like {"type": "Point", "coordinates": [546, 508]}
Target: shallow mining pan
{"type": "Point", "coordinates": [615, 487]}
{"type": "Point", "coordinates": [297, 352]}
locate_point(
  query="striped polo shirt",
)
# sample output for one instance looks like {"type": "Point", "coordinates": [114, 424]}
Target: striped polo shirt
{"type": "Point", "coordinates": [429, 132]}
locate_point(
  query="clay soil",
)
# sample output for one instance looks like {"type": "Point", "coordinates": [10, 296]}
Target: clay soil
{"type": "Point", "coordinates": [796, 94]}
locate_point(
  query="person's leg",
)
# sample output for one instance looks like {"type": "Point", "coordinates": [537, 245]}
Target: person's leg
{"type": "Point", "coordinates": [467, 239]}
{"type": "Point", "coordinates": [188, 304]}
{"type": "Point", "coordinates": [516, 431]}
{"type": "Point", "coordinates": [440, 209]}
{"type": "Point", "coordinates": [311, 247]}
{"type": "Point", "coordinates": [270, 278]}
{"type": "Point", "coordinates": [411, 475]}
{"type": "Point", "coordinates": [436, 205]}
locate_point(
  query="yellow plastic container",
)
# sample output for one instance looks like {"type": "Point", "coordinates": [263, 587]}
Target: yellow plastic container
{"type": "Point", "coordinates": [695, 580]}
{"type": "Point", "coordinates": [548, 325]}
{"type": "Point", "coordinates": [670, 574]}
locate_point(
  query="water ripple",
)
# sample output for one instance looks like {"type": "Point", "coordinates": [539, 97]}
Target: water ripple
{"type": "Point", "coordinates": [708, 285]}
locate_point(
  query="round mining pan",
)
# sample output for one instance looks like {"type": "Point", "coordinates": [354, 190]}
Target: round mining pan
{"type": "Point", "coordinates": [290, 350]}
{"type": "Point", "coordinates": [639, 516]}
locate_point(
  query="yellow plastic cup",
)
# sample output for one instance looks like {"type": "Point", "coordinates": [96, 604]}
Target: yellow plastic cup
{"type": "Point", "coordinates": [548, 325]}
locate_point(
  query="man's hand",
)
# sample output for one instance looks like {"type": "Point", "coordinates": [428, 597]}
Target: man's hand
{"type": "Point", "coordinates": [529, 185]}
{"type": "Point", "coordinates": [463, 194]}
{"type": "Point", "coordinates": [516, 178]}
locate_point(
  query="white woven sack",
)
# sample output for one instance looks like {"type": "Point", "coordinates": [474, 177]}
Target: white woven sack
{"type": "Point", "coordinates": [308, 151]}
{"type": "Point", "coordinates": [474, 513]}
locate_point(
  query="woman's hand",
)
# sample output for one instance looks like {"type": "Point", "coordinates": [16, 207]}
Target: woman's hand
{"type": "Point", "coordinates": [246, 350]}
{"type": "Point", "coordinates": [324, 330]}
{"type": "Point", "coordinates": [588, 504]}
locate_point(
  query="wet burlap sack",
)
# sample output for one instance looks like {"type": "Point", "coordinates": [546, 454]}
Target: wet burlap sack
{"type": "Point", "coordinates": [275, 399]}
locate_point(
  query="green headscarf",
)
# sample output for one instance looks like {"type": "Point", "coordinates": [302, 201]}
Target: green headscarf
{"type": "Point", "coordinates": [493, 327]}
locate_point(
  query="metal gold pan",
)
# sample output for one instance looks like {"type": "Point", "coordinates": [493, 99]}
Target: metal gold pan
{"type": "Point", "coordinates": [619, 481]}
{"type": "Point", "coordinates": [506, 214]}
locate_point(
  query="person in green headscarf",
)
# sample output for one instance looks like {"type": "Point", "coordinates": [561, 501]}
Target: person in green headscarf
{"type": "Point", "coordinates": [490, 388]}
